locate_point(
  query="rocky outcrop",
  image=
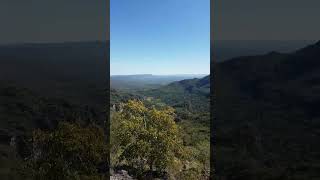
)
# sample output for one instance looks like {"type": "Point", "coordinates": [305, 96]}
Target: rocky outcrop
{"type": "Point", "coordinates": [121, 175]}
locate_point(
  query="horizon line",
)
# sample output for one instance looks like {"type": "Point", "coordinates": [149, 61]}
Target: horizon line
{"type": "Point", "coordinates": [51, 42]}
{"type": "Point", "coordinates": [183, 74]}
{"type": "Point", "coordinates": [106, 40]}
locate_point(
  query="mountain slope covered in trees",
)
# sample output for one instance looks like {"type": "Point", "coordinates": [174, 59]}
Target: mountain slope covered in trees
{"type": "Point", "coordinates": [192, 94]}
{"type": "Point", "coordinates": [267, 119]}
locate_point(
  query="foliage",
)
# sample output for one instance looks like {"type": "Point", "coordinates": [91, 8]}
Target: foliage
{"type": "Point", "coordinates": [147, 137]}
{"type": "Point", "coordinates": [69, 152]}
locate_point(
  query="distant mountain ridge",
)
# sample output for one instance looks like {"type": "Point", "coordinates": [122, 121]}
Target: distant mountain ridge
{"type": "Point", "coordinates": [140, 81]}
{"type": "Point", "coordinates": [228, 49]}
{"type": "Point", "coordinates": [56, 68]}
{"type": "Point", "coordinates": [201, 85]}
{"type": "Point", "coordinates": [273, 67]}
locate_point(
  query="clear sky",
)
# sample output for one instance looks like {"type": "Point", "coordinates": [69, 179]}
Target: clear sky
{"type": "Point", "coordinates": [159, 37]}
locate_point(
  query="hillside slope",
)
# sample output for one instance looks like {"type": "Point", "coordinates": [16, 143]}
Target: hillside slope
{"type": "Point", "coordinates": [267, 119]}
{"type": "Point", "coordinates": [190, 93]}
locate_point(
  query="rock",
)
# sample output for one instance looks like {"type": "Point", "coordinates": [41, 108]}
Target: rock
{"type": "Point", "coordinates": [121, 175]}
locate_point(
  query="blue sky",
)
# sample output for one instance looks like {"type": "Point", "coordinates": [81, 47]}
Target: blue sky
{"type": "Point", "coordinates": [160, 37]}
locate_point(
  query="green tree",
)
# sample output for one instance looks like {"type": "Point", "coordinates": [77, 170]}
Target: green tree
{"type": "Point", "coordinates": [145, 138]}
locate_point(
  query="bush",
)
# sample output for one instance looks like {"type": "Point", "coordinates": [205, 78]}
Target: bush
{"type": "Point", "coordinates": [69, 152]}
{"type": "Point", "coordinates": [145, 138]}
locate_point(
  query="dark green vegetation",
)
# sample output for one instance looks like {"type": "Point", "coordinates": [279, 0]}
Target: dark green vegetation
{"type": "Point", "coordinates": [268, 119]}
{"type": "Point", "coordinates": [60, 90]}
{"type": "Point", "coordinates": [69, 152]}
{"type": "Point", "coordinates": [190, 101]}
{"type": "Point", "coordinates": [191, 95]}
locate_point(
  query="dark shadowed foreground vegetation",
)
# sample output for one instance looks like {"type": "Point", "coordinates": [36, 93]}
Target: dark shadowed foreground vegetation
{"type": "Point", "coordinates": [69, 152]}
{"type": "Point", "coordinates": [53, 111]}
{"type": "Point", "coordinates": [49, 138]}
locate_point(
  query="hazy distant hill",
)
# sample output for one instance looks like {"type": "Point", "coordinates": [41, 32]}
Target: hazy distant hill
{"type": "Point", "coordinates": [227, 49]}
{"type": "Point", "coordinates": [141, 81]}
{"type": "Point", "coordinates": [267, 119]}
{"type": "Point", "coordinates": [199, 86]}
{"type": "Point", "coordinates": [71, 70]}
{"type": "Point", "coordinates": [294, 75]}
